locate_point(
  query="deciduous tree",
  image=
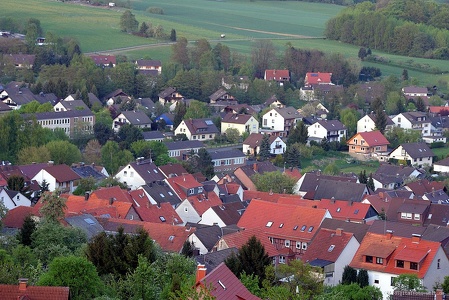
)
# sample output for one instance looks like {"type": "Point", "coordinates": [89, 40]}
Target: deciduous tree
{"type": "Point", "coordinates": [275, 182]}
{"type": "Point", "coordinates": [128, 22]}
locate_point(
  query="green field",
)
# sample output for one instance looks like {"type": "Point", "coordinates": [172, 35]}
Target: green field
{"type": "Point", "coordinates": [299, 23]}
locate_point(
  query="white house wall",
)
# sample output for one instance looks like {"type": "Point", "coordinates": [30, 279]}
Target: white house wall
{"type": "Point", "coordinates": [343, 260]}
{"type": "Point", "coordinates": [209, 217]}
{"type": "Point", "coordinates": [187, 213]}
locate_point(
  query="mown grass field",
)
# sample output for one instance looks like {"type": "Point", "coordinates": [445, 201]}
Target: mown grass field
{"type": "Point", "coordinates": [97, 29]}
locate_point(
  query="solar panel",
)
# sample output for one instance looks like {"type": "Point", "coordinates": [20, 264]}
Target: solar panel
{"type": "Point", "coordinates": [209, 122]}
{"type": "Point", "coordinates": [89, 221]}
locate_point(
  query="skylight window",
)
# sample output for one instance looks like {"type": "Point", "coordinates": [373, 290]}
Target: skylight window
{"type": "Point", "coordinates": [303, 227]}
{"type": "Point", "coordinates": [338, 209]}
{"type": "Point", "coordinates": [281, 225]}
{"type": "Point", "coordinates": [296, 227]}
{"type": "Point", "coordinates": [162, 218]}
{"type": "Point", "coordinates": [331, 248]}
{"type": "Point", "coordinates": [269, 224]}
{"type": "Point", "coordinates": [170, 193]}
{"type": "Point", "coordinates": [162, 195]}
{"type": "Point", "coordinates": [356, 211]}
{"type": "Point", "coordinates": [310, 229]}
{"type": "Point", "coordinates": [171, 238]}
{"type": "Point", "coordinates": [89, 221]}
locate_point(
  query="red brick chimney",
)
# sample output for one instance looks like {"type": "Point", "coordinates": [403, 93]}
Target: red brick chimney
{"type": "Point", "coordinates": [416, 238]}
{"type": "Point", "coordinates": [200, 272]}
{"type": "Point", "coordinates": [439, 294]}
{"type": "Point", "coordinates": [338, 231]}
{"type": "Point", "coordinates": [255, 167]}
{"type": "Point", "coordinates": [23, 282]}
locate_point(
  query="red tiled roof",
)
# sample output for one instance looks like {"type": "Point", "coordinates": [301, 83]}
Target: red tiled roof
{"type": "Point", "coordinates": [282, 220]}
{"type": "Point", "coordinates": [407, 249]}
{"type": "Point", "coordinates": [317, 78]}
{"type": "Point", "coordinates": [224, 285]}
{"type": "Point", "coordinates": [162, 213]}
{"type": "Point", "coordinates": [78, 205]}
{"type": "Point", "coordinates": [186, 181]}
{"type": "Point", "coordinates": [344, 210]}
{"type": "Point", "coordinates": [328, 244]}
{"type": "Point", "coordinates": [62, 173]}
{"type": "Point", "coordinates": [177, 169]}
{"type": "Point", "coordinates": [201, 202]}
{"type": "Point", "coordinates": [277, 75]}
{"type": "Point", "coordinates": [106, 193]}
{"type": "Point", "coordinates": [12, 292]}
{"type": "Point", "coordinates": [372, 138]}
{"type": "Point", "coordinates": [170, 237]}
{"type": "Point", "coordinates": [236, 118]}
{"type": "Point", "coordinates": [293, 173]}
{"type": "Point", "coordinates": [14, 217]}
{"type": "Point", "coordinates": [103, 59]}
{"type": "Point", "coordinates": [424, 186]}
{"type": "Point", "coordinates": [239, 238]}
{"type": "Point", "coordinates": [438, 109]}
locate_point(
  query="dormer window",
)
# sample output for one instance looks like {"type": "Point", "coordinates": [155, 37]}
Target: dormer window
{"type": "Point", "coordinates": [287, 243]}
{"type": "Point", "coordinates": [200, 189]}
{"type": "Point", "coordinates": [369, 259]}
{"type": "Point", "coordinates": [400, 264]}
{"type": "Point", "coordinates": [413, 266]}
{"type": "Point", "coordinates": [191, 191]}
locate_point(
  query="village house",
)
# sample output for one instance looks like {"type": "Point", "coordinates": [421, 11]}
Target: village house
{"type": "Point", "coordinates": [182, 150]}
{"type": "Point", "coordinates": [25, 291]}
{"type": "Point", "coordinates": [205, 237]}
{"type": "Point", "coordinates": [273, 101]}
{"type": "Point", "coordinates": [149, 67]}
{"type": "Point", "coordinates": [416, 154]}
{"type": "Point", "coordinates": [244, 173]}
{"type": "Point", "coordinates": [415, 92]}
{"type": "Point", "coordinates": [280, 76]}
{"type": "Point", "coordinates": [332, 130]}
{"type": "Point", "coordinates": [227, 161]}
{"type": "Point", "coordinates": [138, 173]}
{"type": "Point", "coordinates": [70, 105]}
{"type": "Point", "coordinates": [197, 129]}
{"type": "Point", "coordinates": [391, 177]}
{"type": "Point", "coordinates": [20, 61]}
{"type": "Point", "coordinates": [386, 256]}
{"type": "Point", "coordinates": [413, 120]}
{"type": "Point", "coordinates": [220, 95]}
{"type": "Point", "coordinates": [368, 143]}
{"type": "Point", "coordinates": [368, 123]}
{"type": "Point", "coordinates": [279, 121]}
{"type": "Point", "coordinates": [104, 61]}
{"type": "Point", "coordinates": [331, 250]}
{"type": "Point", "coordinates": [169, 95]}
{"type": "Point", "coordinates": [15, 94]}
{"type": "Point", "coordinates": [242, 122]}
{"type": "Point", "coordinates": [226, 214]}
{"type": "Point", "coordinates": [93, 99]}
{"type": "Point", "coordinates": [58, 177]}
{"type": "Point", "coordinates": [251, 145]}
{"type": "Point", "coordinates": [12, 199]}
{"type": "Point", "coordinates": [135, 118]}
{"type": "Point", "coordinates": [317, 78]}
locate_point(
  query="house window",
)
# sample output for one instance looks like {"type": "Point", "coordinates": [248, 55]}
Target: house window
{"type": "Point", "coordinates": [200, 189]}
{"type": "Point", "coordinates": [369, 259]}
{"type": "Point", "coordinates": [379, 260]}
{"type": "Point", "coordinates": [376, 281]}
{"type": "Point", "coordinates": [303, 227]}
{"type": "Point", "coordinates": [203, 136]}
{"type": "Point", "coordinates": [282, 259]}
{"type": "Point", "coordinates": [125, 174]}
{"type": "Point", "coordinates": [186, 209]}
{"type": "Point", "coordinates": [413, 266]}
{"type": "Point", "coordinates": [287, 243]}
{"type": "Point", "coordinates": [304, 246]}
{"type": "Point", "coordinates": [399, 264]}
{"type": "Point", "coordinates": [399, 120]}
{"type": "Point", "coordinates": [417, 217]}
{"type": "Point", "coordinates": [191, 191]}
{"type": "Point", "coordinates": [298, 245]}
{"type": "Point", "coordinates": [355, 141]}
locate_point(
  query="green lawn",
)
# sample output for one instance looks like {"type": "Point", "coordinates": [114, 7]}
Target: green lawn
{"type": "Point", "coordinates": [441, 152]}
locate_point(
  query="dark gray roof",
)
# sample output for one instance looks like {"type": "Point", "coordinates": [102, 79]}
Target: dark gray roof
{"type": "Point", "coordinates": [74, 104]}
{"type": "Point", "coordinates": [87, 223]}
{"type": "Point", "coordinates": [136, 117]}
{"type": "Point", "coordinates": [387, 173]}
{"type": "Point", "coordinates": [208, 235]}
{"type": "Point", "coordinates": [436, 233]}
{"type": "Point", "coordinates": [229, 213]}
{"type": "Point", "coordinates": [311, 180]}
{"type": "Point", "coordinates": [184, 145]}
{"type": "Point", "coordinates": [417, 150]}
{"type": "Point", "coordinates": [171, 170]}
{"type": "Point", "coordinates": [359, 230]}
{"type": "Point", "coordinates": [156, 190]}
{"type": "Point", "coordinates": [88, 171]}
{"type": "Point", "coordinates": [443, 162]}
{"type": "Point", "coordinates": [152, 135]}
{"type": "Point", "coordinates": [288, 112]}
{"type": "Point", "coordinates": [398, 228]}
{"type": "Point", "coordinates": [147, 170]}
{"type": "Point", "coordinates": [438, 215]}
{"type": "Point", "coordinates": [332, 125]}
{"type": "Point", "coordinates": [60, 114]}
{"type": "Point", "coordinates": [215, 154]}
{"type": "Point", "coordinates": [438, 196]}
{"type": "Point", "coordinates": [416, 117]}
{"type": "Point", "coordinates": [339, 190]}
{"type": "Point", "coordinates": [414, 206]}
{"type": "Point", "coordinates": [146, 102]}
{"type": "Point", "coordinates": [213, 259]}
{"type": "Point", "coordinates": [167, 92]}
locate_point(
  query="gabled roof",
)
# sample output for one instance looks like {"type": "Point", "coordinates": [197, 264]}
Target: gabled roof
{"type": "Point", "coordinates": [423, 186]}
{"type": "Point", "coordinates": [184, 145]}
{"type": "Point", "coordinates": [184, 182]}
{"type": "Point", "coordinates": [414, 90]}
{"type": "Point", "coordinates": [218, 94]}
{"type": "Point", "coordinates": [136, 118]}
{"type": "Point", "coordinates": [268, 196]}
{"type": "Point", "coordinates": [358, 229]}
{"type": "Point", "coordinates": [224, 285]}
{"type": "Point", "coordinates": [229, 213]}
{"type": "Point", "coordinates": [213, 259]}
{"type": "Point", "coordinates": [327, 244]}
{"type": "Point", "coordinates": [14, 217]}
{"type": "Point", "coordinates": [340, 190]}
{"type": "Point", "coordinates": [255, 139]}
{"type": "Point", "coordinates": [236, 118]}
{"type": "Point", "coordinates": [417, 150]}
{"type": "Point", "coordinates": [258, 168]}
{"type": "Point", "coordinates": [288, 221]}
{"type": "Point", "coordinates": [395, 248]}
{"type": "Point", "coordinates": [203, 126]}
{"type": "Point", "coordinates": [62, 173]}
{"type": "Point", "coordinates": [345, 210]}
{"type": "Point", "coordinates": [147, 170]}
{"type": "Point", "coordinates": [438, 215]}
{"type": "Point", "coordinates": [74, 104]}
{"type": "Point", "coordinates": [161, 192]}
{"type": "Point", "coordinates": [148, 63]}
{"type": "Point", "coordinates": [239, 238]}
{"type": "Point", "coordinates": [114, 192]}
{"type": "Point", "coordinates": [101, 59]}
{"type": "Point", "coordinates": [85, 171]}
{"type": "Point", "coordinates": [153, 135]}
{"type": "Point", "coordinates": [59, 114]}
{"type": "Point", "coordinates": [373, 117]}
{"type": "Point", "coordinates": [415, 117]}
{"type": "Point", "coordinates": [371, 138]}
{"type": "Point", "coordinates": [167, 92]}
{"type": "Point", "coordinates": [20, 59]}
{"type": "Point", "coordinates": [399, 229]}
{"type": "Point", "coordinates": [172, 170]}
{"type": "Point", "coordinates": [387, 173]}
{"type": "Point", "coordinates": [239, 107]}
{"type": "Point", "coordinates": [277, 75]}
{"type": "Point", "coordinates": [203, 202]}
{"type": "Point", "coordinates": [15, 292]}
{"type": "Point", "coordinates": [160, 213]}
{"type": "Point", "coordinates": [317, 78]}
{"type": "Point", "coordinates": [332, 125]}
{"type": "Point", "coordinates": [171, 238]}
{"type": "Point", "coordinates": [312, 179]}
{"type": "Point", "coordinates": [87, 223]}
{"type": "Point", "coordinates": [208, 235]}
{"type": "Point", "coordinates": [288, 112]}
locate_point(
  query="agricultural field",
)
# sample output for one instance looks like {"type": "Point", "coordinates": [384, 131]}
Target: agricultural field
{"type": "Point", "coordinates": [299, 23]}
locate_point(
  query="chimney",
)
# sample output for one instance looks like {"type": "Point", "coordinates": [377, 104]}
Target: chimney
{"type": "Point", "coordinates": [111, 200]}
{"type": "Point", "coordinates": [389, 234]}
{"type": "Point", "coordinates": [86, 196]}
{"type": "Point", "coordinates": [51, 163]}
{"type": "Point", "coordinates": [416, 238]}
{"type": "Point", "coordinates": [23, 282]}
{"type": "Point", "coordinates": [439, 294]}
{"type": "Point", "coordinates": [200, 272]}
{"type": "Point", "coordinates": [338, 231]}
{"type": "Point", "coordinates": [255, 167]}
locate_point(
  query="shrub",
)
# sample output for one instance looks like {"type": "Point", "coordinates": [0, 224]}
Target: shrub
{"type": "Point", "coordinates": [155, 10]}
